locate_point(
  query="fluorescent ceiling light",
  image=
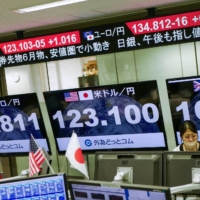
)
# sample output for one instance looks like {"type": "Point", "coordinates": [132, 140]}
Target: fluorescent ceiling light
{"type": "Point", "coordinates": [46, 6]}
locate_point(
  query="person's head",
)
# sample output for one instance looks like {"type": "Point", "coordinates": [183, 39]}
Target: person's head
{"type": "Point", "coordinates": [188, 133]}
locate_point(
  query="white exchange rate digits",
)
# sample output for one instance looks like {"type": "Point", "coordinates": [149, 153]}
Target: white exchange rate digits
{"type": "Point", "coordinates": [129, 111]}
{"type": "Point", "coordinates": [7, 126]}
{"type": "Point", "coordinates": [185, 110]}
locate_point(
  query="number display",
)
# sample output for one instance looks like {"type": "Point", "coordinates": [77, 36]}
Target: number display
{"type": "Point", "coordinates": [164, 23]}
{"type": "Point", "coordinates": [185, 110]}
{"type": "Point", "coordinates": [39, 43]}
{"type": "Point", "coordinates": [129, 111]}
{"type": "Point", "coordinates": [7, 126]}
{"type": "Point", "coordinates": [121, 116]}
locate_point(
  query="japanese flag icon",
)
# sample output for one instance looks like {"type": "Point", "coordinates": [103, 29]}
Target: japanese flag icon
{"type": "Point", "coordinates": [75, 155]}
{"type": "Point", "coordinates": [90, 37]}
{"type": "Point", "coordinates": [85, 95]}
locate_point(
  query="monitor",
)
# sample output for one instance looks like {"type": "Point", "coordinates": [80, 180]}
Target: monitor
{"type": "Point", "coordinates": [178, 167]}
{"type": "Point", "coordinates": [140, 167]}
{"type": "Point", "coordinates": [123, 116]}
{"type": "Point", "coordinates": [37, 188]}
{"type": "Point", "coordinates": [20, 116]}
{"type": "Point", "coordinates": [184, 96]}
{"type": "Point", "coordinates": [91, 190]}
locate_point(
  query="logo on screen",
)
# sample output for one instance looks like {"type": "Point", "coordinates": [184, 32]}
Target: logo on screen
{"type": "Point", "coordinates": [196, 85]}
{"type": "Point", "coordinates": [88, 143]}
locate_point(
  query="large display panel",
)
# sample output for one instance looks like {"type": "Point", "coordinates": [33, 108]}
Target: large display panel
{"type": "Point", "coordinates": [85, 189]}
{"type": "Point", "coordinates": [143, 167]}
{"type": "Point", "coordinates": [184, 99]}
{"type": "Point", "coordinates": [178, 166]}
{"type": "Point", "coordinates": [20, 116]}
{"type": "Point", "coordinates": [122, 116]}
{"type": "Point", "coordinates": [103, 39]}
{"type": "Point", "coordinates": [40, 187]}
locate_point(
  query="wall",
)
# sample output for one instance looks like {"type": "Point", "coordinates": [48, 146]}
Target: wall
{"type": "Point", "coordinates": [157, 63]}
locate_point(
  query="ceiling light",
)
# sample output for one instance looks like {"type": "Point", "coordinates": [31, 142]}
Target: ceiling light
{"type": "Point", "coordinates": [46, 6]}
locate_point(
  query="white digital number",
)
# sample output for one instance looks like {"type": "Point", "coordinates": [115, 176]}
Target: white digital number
{"type": "Point", "coordinates": [6, 123]}
{"type": "Point", "coordinates": [130, 112]}
{"type": "Point", "coordinates": [74, 123]}
{"type": "Point", "coordinates": [7, 126]}
{"type": "Point", "coordinates": [18, 118]}
{"type": "Point", "coordinates": [185, 109]}
{"type": "Point", "coordinates": [35, 121]}
{"type": "Point", "coordinates": [155, 113]}
{"type": "Point", "coordinates": [58, 116]}
{"type": "Point", "coordinates": [92, 116]}
{"type": "Point", "coordinates": [197, 109]}
{"type": "Point", "coordinates": [115, 112]}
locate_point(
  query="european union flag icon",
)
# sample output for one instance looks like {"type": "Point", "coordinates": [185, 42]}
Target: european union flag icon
{"type": "Point", "coordinates": [86, 34]}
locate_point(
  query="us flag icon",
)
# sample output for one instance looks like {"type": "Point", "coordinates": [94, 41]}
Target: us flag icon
{"type": "Point", "coordinates": [85, 95]}
{"type": "Point", "coordinates": [71, 96]}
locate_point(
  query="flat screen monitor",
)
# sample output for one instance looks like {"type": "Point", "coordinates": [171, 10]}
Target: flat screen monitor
{"type": "Point", "coordinates": [122, 116]}
{"type": "Point", "coordinates": [184, 99]}
{"type": "Point", "coordinates": [20, 116]}
{"type": "Point", "coordinates": [37, 188]}
{"type": "Point", "coordinates": [91, 190]}
{"type": "Point", "coordinates": [141, 167]}
{"type": "Point", "coordinates": [178, 167]}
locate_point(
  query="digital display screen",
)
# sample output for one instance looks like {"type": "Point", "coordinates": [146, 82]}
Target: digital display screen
{"type": "Point", "coordinates": [40, 43]}
{"type": "Point", "coordinates": [170, 22]}
{"type": "Point", "coordinates": [40, 188]}
{"type": "Point", "coordinates": [98, 192]}
{"type": "Point", "coordinates": [104, 39]}
{"type": "Point", "coordinates": [20, 116]}
{"type": "Point", "coordinates": [122, 116]}
{"type": "Point", "coordinates": [106, 190]}
{"type": "Point", "coordinates": [184, 99]}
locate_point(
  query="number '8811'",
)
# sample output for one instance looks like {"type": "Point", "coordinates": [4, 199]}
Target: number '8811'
{"type": "Point", "coordinates": [132, 114]}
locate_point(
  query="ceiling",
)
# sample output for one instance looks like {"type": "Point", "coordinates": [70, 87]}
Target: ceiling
{"type": "Point", "coordinates": [84, 12]}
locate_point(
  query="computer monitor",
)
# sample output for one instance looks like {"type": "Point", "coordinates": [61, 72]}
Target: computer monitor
{"type": "Point", "coordinates": [91, 190]}
{"type": "Point", "coordinates": [118, 117]}
{"type": "Point", "coordinates": [184, 99]}
{"type": "Point", "coordinates": [139, 167]}
{"type": "Point", "coordinates": [35, 188]}
{"type": "Point", "coordinates": [20, 116]}
{"type": "Point", "coordinates": [178, 167]}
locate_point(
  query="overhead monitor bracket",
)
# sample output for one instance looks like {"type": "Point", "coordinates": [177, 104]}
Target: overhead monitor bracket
{"type": "Point", "coordinates": [151, 12]}
{"type": "Point", "coordinates": [124, 174]}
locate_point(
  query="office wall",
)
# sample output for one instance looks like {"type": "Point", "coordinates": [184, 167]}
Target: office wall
{"type": "Point", "coordinates": [157, 63]}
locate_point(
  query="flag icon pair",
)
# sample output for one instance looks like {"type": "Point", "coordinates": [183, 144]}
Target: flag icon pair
{"type": "Point", "coordinates": [80, 95]}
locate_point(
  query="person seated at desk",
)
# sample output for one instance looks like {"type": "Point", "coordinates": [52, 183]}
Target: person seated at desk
{"type": "Point", "coordinates": [189, 135]}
